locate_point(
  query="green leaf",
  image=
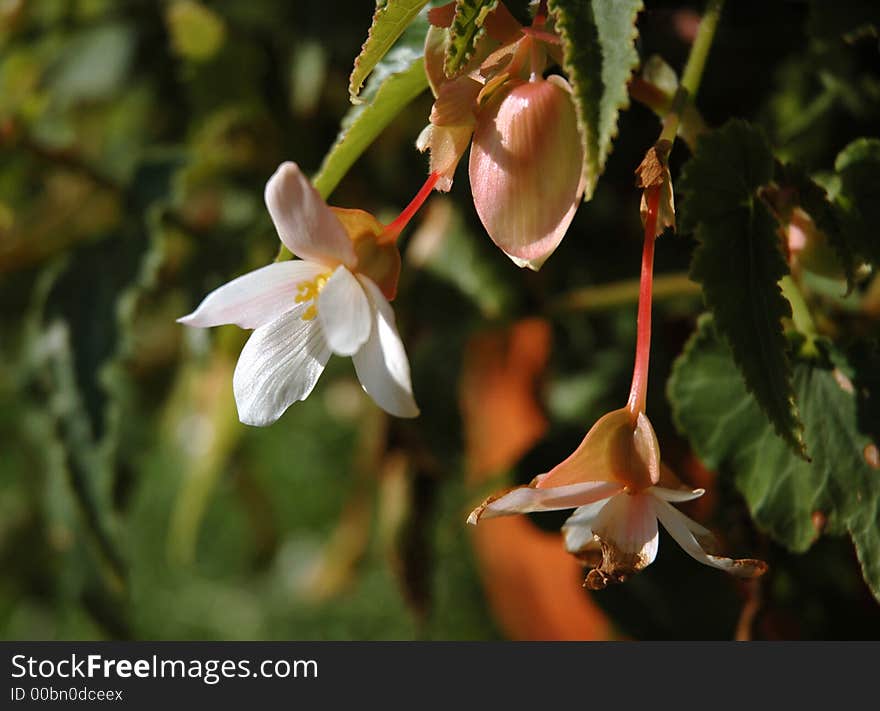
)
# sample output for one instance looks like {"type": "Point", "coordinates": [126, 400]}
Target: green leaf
{"type": "Point", "coordinates": [93, 65]}
{"type": "Point", "coordinates": [858, 168]}
{"type": "Point", "coordinates": [739, 263]}
{"type": "Point", "coordinates": [196, 31]}
{"type": "Point", "coordinates": [389, 22]}
{"type": "Point", "coordinates": [465, 32]}
{"type": "Point", "coordinates": [394, 84]}
{"type": "Point", "coordinates": [598, 40]}
{"type": "Point", "coordinates": [789, 498]}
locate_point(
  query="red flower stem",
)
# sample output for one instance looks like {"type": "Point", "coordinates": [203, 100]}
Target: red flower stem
{"type": "Point", "coordinates": [540, 18]}
{"type": "Point", "coordinates": [639, 390]}
{"type": "Point", "coordinates": [392, 231]}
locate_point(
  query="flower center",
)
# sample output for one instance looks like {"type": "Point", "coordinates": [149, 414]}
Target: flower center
{"type": "Point", "coordinates": [307, 291]}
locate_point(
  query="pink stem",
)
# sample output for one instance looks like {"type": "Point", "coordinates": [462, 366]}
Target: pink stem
{"type": "Point", "coordinates": [540, 18]}
{"type": "Point", "coordinates": [638, 391]}
{"type": "Point", "coordinates": [393, 230]}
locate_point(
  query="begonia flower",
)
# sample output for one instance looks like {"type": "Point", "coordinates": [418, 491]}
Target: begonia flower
{"type": "Point", "coordinates": [615, 480]}
{"type": "Point", "coordinates": [526, 164]}
{"type": "Point", "coordinates": [333, 299]}
{"type": "Point", "coordinates": [620, 490]}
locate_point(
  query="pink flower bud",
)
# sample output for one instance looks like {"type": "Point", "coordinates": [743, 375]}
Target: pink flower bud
{"type": "Point", "coordinates": [526, 168]}
{"type": "Point", "coordinates": [809, 248]}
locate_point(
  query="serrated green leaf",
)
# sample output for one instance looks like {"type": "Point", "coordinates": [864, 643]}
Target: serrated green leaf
{"type": "Point", "coordinates": [389, 22]}
{"type": "Point", "coordinates": [739, 263]}
{"type": "Point", "coordinates": [598, 40]}
{"type": "Point", "coordinates": [785, 494]}
{"type": "Point", "coordinates": [858, 168]}
{"type": "Point", "coordinates": [465, 32]}
{"type": "Point", "coordinates": [394, 84]}
{"type": "Point", "coordinates": [814, 200]}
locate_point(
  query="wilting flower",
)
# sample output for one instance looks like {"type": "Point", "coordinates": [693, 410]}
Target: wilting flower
{"type": "Point", "coordinates": [334, 299]}
{"type": "Point", "coordinates": [653, 173]}
{"type": "Point", "coordinates": [526, 162]}
{"type": "Point", "coordinates": [619, 489]}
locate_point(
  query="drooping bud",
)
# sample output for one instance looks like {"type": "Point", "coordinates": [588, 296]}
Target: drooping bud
{"type": "Point", "coordinates": [526, 168]}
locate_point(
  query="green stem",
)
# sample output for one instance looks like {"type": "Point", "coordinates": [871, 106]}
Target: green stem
{"type": "Point", "coordinates": [693, 71]}
{"type": "Point", "coordinates": [625, 292]}
{"type": "Point", "coordinates": [691, 126]}
{"type": "Point", "coordinates": [800, 314]}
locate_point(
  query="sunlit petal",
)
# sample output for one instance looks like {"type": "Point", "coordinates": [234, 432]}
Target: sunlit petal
{"type": "Point", "coordinates": [344, 313]}
{"type": "Point", "coordinates": [381, 363]}
{"type": "Point", "coordinates": [280, 364]}
{"type": "Point", "coordinates": [526, 169]}
{"type": "Point", "coordinates": [305, 224]}
{"type": "Point", "coordinates": [255, 298]}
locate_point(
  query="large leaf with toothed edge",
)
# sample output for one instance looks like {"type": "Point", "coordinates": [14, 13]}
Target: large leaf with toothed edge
{"type": "Point", "coordinates": [793, 500]}
{"type": "Point", "coordinates": [739, 262]}
{"type": "Point", "coordinates": [598, 41]}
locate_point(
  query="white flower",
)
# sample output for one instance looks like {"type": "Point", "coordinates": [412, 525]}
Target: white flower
{"type": "Point", "coordinates": [303, 310]}
{"type": "Point", "coordinates": [619, 489]}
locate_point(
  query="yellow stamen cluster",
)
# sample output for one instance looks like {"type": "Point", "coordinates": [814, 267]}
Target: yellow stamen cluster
{"type": "Point", "coordinates": [308, 291]}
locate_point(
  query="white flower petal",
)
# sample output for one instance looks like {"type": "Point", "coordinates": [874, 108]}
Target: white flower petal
{"type": "Point", "coordinates": [255, 298]}
{"type": "Point", "coordinates": [280, 364]}
{"type": "Point", "coordinates": [628, 526]}
{"type": "Point", "coordinates": [528, 499]}
{"type": "Point", "coordinates": [305, 224]}
{"type": "Point", "coordinates": [578, 529]}
{"type": "Point", "coordinates": [681, 528]}
{"type": "Point", "coordinates": [381, 363]}
{"type": "Point", "coordinates": [677, 495]}
{"type": "Point", "coordinates": [344, 313]}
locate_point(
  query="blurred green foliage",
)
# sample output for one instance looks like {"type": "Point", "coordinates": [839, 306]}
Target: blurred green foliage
{"type": "Point", "coordinates": [136, 137]}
